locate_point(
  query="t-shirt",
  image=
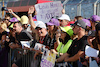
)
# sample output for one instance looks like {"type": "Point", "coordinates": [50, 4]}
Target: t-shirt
{"type": "Point", "coordinates": [76, 46]}
{"type": "Point", "coordinates": [50, 42]}
{"type": "Point", "coordinates": [23, 36]}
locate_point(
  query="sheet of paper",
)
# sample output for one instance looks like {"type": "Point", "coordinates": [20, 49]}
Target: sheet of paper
{"type": "Point", "coordinates": [25, 43]}
{"type": "Point", "coordinates": [91, 52]}
{"type": "Point", "coordinates": [39, 46]}
{"type": "Point", "coordinates": [93, 64]}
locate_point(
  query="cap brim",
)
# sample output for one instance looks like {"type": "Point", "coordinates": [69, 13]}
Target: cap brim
{"type": "Point", "coordinates": [73, 24]}
{"type": "Point", "coordinates": [62, 29]}
{"type": "Point", "coordinates": [11, 20]}
{"type": "Point", "coordinates": [38, 27]}
{"type": "Point", "coordinates": [24, 22]}
{"type": "Point", "coordinates": [61, 18]}
{"type": "Point", "coordinates": [49, 23]}
{"type": "Point", "coordinates": [92, 34]}
{"type": "Point", "coordinates": [14, 20]}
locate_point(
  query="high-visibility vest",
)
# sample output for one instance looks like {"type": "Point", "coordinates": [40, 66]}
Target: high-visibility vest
{"type": "Point", "coordinates": [64, 48]}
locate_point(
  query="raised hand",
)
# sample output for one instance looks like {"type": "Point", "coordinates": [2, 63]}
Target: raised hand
{"type": "Point", "coordinates": [58, 34]}
{"type": "Point", "coordinates": [10, 11]}
{"type": "Point", "coordinates": [63, 11]}
{"type": "Point", "coordinates": [31, 10]}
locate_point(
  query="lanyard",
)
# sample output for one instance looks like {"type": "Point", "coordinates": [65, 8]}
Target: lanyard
{"type": "Point", "coordinates": [41, 40]}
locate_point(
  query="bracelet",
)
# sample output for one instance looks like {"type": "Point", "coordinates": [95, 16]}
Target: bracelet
{"type": "Point", "coordinates": [29, 14]}
{"type": "Point", "coordinates": [12, 13]}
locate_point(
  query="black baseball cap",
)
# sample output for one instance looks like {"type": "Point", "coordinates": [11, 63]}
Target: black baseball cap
{"type": "Point", "coordinates": [91, 33]}
{"type": "Point", "coordinates": [80, 23]}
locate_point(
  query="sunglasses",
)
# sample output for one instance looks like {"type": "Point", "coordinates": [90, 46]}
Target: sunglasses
{"type": "Point", "coordinates": [5, 19]}
{"type": "Point", "coordinates": [25, 24]}
{"type": "Point", "coordinates": [38, 28]}
{"type": "Point", "coordinates": [62, 31]}
{"type": "Point", "coordinates": [60, 20]}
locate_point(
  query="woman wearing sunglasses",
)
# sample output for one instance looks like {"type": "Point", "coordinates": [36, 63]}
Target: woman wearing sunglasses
{"type": "Point", "coordinates": [64, 44]}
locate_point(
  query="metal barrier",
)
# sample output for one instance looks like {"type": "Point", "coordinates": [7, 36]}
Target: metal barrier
{"type": "Point", "coordinates": [15, 54]}
{"type": "Point", "coordinates": [26, 59]}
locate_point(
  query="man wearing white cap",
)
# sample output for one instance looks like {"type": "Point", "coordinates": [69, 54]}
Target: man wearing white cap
{"type": "Point", "coordinates": [64, 20]}
{"type": "Point", "coordinates": [40, 29]}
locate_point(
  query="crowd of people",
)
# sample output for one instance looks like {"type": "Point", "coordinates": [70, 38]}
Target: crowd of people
{"type": "Point", "coordinates": [65, 37]}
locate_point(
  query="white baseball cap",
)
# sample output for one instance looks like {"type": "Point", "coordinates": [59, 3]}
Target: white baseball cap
{"type": "Point", "coordinates": [64, 17]}
{"type": "Point", "coordinates": [40, 24]}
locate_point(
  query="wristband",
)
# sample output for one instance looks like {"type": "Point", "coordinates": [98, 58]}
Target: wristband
{"type": "Point", "coordinates": [29, 14]}
{"type": "Point", "coordinates": [12, 13]}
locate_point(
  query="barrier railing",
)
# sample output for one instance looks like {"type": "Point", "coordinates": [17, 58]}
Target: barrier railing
{"type": "Point", "coordinates": [15, 54]}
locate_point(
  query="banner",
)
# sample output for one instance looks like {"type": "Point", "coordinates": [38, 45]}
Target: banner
{"type": "Point", "coordinates": [45, 11]}
{"type": "Point", "coordinates": [48, 59]}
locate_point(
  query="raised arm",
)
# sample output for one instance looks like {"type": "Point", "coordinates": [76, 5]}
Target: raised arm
{"type": "Point", "coordinates": [11, 12]}
{"type": "Point", "coordinates": [30, 12]}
